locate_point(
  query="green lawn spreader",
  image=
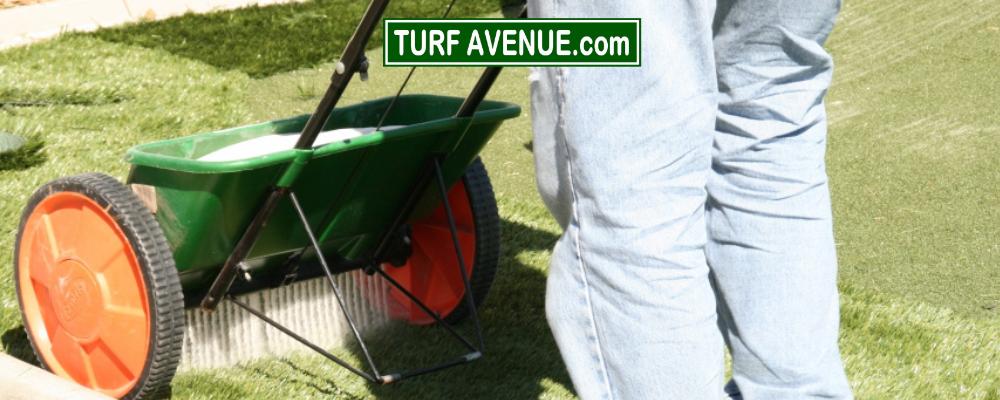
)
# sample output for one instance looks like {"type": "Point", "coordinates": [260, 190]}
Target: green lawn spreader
{"type": "Point", "coordinates": [104, 271]}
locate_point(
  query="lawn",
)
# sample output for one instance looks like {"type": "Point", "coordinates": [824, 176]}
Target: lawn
{"type": "Point", "coordinates": [913, 164]}
{"type": "Point", "coordinates": [263, 41]}
{"type": "Point", "coordinates": [913, 153]}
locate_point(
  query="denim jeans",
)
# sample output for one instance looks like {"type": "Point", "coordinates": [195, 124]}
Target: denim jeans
{"type": "Point", "coordinates": [693, 195]}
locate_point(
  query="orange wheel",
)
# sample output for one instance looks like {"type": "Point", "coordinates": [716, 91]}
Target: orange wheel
{"type": "Point", "coordinates": [99, 293]}
{"type": "Point", "coordinates": [431, 272]}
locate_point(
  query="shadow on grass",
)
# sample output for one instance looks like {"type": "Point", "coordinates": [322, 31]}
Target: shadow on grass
{"type": "Point", "coordinates": [29, 155]}
{"type": "Point", "coordinates": [520, 351]}
{"type": "Point", "coordinates": [15, 344]}
{"type": "Point", "coordinates": [521, 359]}
{"type": "Point", "coordinates": [308, 379]}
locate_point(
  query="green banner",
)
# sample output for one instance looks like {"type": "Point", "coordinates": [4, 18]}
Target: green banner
{"type": "Point", "coordinates": [512, 42]}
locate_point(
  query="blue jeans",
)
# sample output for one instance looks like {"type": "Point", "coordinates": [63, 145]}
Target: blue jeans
{"type": "Point", "coordinates": [694, 199]}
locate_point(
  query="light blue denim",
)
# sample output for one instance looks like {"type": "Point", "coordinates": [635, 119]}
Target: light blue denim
{"type": "Point", "coordinates": [694, 201]}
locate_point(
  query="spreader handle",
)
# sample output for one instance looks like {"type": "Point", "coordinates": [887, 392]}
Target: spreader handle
{"type": "Point", "coordinates": [349, 63]}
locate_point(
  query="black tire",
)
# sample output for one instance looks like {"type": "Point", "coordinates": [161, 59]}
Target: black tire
{"type": "Point", "coordinates": [487, 226]}
{"type": "Point", "coordinates": [162, 285]}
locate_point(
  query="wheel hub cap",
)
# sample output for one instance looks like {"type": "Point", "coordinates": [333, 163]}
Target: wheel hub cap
{"type": "Point", "coordinates": [76, 299]}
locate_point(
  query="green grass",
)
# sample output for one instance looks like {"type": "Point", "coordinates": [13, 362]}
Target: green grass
{"type": "Point", "coordinates": [912, 160]}
{"type": "Point", "coordinates": [262, 41]}
{"type": "Point", "coordinates": [28, 155]}
{"type": "Point", "coordinates": [913, 151]}
{"type": "Point", "coordinates": [121, 96]}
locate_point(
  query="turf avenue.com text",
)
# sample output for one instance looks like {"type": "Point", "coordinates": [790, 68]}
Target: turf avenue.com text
{"type": "Point", "coordinates": [506, 42]}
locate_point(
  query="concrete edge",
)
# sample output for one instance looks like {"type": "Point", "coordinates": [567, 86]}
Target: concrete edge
{"type": "Point", "coordinates": [28, 24]}
{"type": "Point", "coordinates": [23, 381]}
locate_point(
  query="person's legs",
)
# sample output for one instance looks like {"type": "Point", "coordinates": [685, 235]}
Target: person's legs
{"type": "Point", "coordinates": [622, 157]}
{"type": "Point", "coordinates": [770, 245]}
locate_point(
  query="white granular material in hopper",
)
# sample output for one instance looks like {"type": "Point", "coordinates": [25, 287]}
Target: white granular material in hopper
{"type": "Point", "coordinates": [268, 144]}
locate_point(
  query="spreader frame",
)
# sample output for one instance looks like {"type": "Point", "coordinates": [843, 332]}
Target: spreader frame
{"type": "Point", "coordinates": [353, 60]}
{"type": "Point", "coordinates": [372, 267]}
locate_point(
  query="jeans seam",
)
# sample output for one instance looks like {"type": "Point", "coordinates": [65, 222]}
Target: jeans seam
{"type": "Point", "coordinates": [561, 125]}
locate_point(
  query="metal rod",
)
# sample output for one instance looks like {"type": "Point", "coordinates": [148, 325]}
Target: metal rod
{"type": "Point", "coordinates": [302, 340]}
{"type": "Point", "coordinates": [483, 86]}
{"type": "Point", "coordinates": [427, 310]}
{"type": "Point", "coordinates": [345, 68]}
{"type": "Point", "coordinates": [333, 284]}
{"type": "Point", "coordinates": [407, 80]}
{"type": "Point", "coordinates": [398, 376]}
{"type": "Point", "coordinates": [443, 191]}
{"type": "Point", "coordinates": [478, 93]}
{"type": "Point", "coordinates": [392, 103]}
{"type": "Point", "coordinates": [331, 211]}
{"type": "Point", "coordinates": [224, 280]}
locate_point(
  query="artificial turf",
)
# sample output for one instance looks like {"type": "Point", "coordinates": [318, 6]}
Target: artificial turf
{"type": "Point", "coordinates": [263, 41]}
{"type": "Point", "coordinates": [914, 151]}
{"type": "Point", "coordinates": [912, 157]}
